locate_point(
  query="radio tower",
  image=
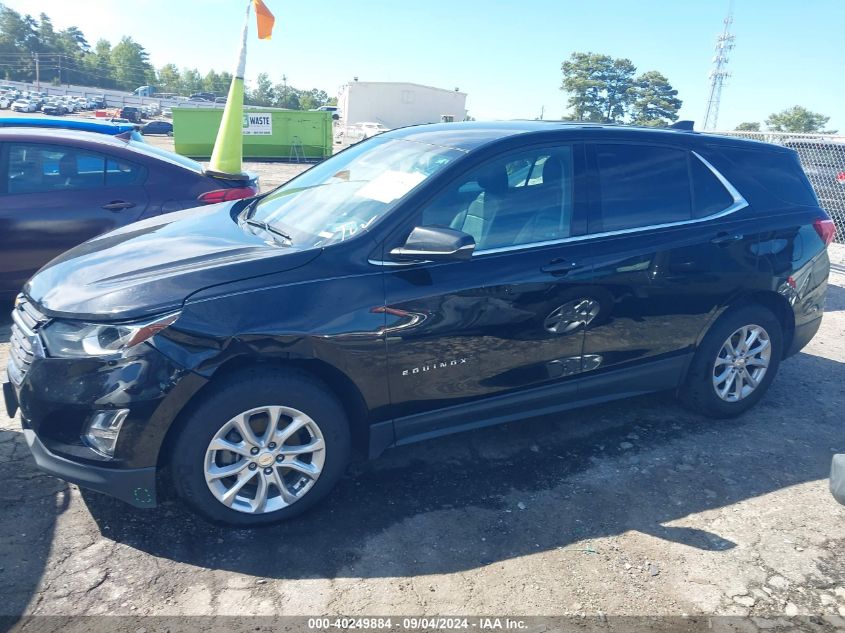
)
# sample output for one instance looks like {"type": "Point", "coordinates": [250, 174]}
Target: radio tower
{"type": "Point", "coordinates": [724, 44]}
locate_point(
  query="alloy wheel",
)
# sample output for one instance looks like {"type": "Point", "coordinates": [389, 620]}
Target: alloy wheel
{"type": "Point", "coordinates": [742, 363]}
{"type": "Point", "coordinates": [264, 459]}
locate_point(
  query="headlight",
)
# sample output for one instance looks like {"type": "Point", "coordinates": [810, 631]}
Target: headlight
{"type": "Point", "coordinates": [64, 339]}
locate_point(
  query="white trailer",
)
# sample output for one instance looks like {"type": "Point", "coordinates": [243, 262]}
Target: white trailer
{"type": "Point", "coordinates": [397, 104]}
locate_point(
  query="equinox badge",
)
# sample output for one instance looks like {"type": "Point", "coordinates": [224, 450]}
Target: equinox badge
{"type": "Point", "coordinates": [445, 364]}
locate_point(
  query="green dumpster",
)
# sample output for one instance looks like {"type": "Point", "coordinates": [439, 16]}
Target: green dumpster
{"type": "Point", "coordinates": [268, 133]}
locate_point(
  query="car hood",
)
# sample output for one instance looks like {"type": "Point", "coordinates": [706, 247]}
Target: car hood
{"type": "Point", "coordinates": [154, 265]}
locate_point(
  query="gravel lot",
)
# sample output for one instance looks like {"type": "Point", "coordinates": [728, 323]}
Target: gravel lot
{"type": "Point", "coordinates": [632, 508]}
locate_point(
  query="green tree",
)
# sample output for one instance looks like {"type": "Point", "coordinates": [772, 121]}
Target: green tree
{"type": "Point", "coordinates": [168, 78]}
{"type": "Point", "coordinates": [130, 64]}
{"type": "Point", "coordinates": [191, 81]}
{"type": "Point", "coordinates": [73, 50]}
{"type": "Point", "coordinates": [97, 65]}
{"type": "Point", "coordinates": [582, 80]}
{"type": "Point", "coordinates": [800, 120]}
{"type": "Point", "coordinates": [45, 35]}
{"type": "Point", "coordinates": [224, 82]}
{"type": "Point", "coordinates": [68, 57]}
{"type": "Point", "coordinates": [264, 93]}
{"type": "Point", "coordinates": [73, 37]}
{"type": "Point", "coordinates": [311, 99]}
{"type": "Point", "coordinates": [655, 100]}
{"type": "Point", "coordinates": [18, 40]}
{"type": "Point", "coordinates": [748, 126]}
{"type": "Point", "coordinates": [211, 81]}
{"type": "Point", "coordinates": [600, 88]}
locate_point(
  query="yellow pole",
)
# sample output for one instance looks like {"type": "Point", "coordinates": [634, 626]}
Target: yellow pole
{"type": "Point", "coordinates": [227, 155]}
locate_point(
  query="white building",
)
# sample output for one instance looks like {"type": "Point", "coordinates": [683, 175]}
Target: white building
{"type": "Point", "coordinates": [396, 104]}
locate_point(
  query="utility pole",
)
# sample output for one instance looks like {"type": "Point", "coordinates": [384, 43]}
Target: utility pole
{"type": "Point", "coordinates": [724, 45]}
{"type": "Point", "coordinates": [285, 91]}
{"type": "Point", "coordinates": [37, 74]}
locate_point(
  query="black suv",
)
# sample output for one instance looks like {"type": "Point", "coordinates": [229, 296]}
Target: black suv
{"type": "Point", "coordinates": [430, 280]}
{"type": "Point", "coordinates": [130, 113]}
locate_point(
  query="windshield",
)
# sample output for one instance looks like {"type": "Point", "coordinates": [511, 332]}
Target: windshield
{"type": "Point", "coordinates": [346, 194]}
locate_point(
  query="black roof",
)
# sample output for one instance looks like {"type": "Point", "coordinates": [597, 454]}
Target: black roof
{"type": "Point", "coordinates": [469, 135]}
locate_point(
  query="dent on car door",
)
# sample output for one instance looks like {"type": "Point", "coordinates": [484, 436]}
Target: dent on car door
{"type": "Point", "coordinates": [55, 197]}
{"type": "Point", "coordinates": [667, 251]}
{"type": "Point", "coordinates": [510, 318]}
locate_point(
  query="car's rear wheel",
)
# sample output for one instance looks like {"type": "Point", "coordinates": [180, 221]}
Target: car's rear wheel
{"type": "Point", "coordinates": [735, 363]}
{"type": "Point", "coordinates": [263, 448]}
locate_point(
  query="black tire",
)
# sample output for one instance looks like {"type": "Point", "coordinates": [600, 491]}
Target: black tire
{"type": "Point", "coordinates": [698, 392]}
{"type": "Point", "coordinates": [241, 392]}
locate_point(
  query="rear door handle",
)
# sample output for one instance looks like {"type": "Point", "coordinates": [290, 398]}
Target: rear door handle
{"type": "Point", "coordinates": [560, 267]}
{"type": "Point", "coordinates": [723, 239]}
{"type": "Point", "coordinates": [117, 205]}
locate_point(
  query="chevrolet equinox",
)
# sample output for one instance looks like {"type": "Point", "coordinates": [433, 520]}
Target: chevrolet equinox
{"type": "Point", "coordinates": [429, 280]}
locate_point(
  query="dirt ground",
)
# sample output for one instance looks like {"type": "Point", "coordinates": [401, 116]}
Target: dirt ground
{"type": "Point", "coordinates": [632, 508]}
{"type": "Point", "coordinates": [270, 174]}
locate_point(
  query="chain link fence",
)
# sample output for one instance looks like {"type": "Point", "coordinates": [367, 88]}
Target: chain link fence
{"type": "Point", "coordinates": [823, 159]}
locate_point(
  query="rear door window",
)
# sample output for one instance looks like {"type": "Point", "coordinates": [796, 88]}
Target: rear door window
{"type": "Point", "coordinates": [641, 185]}
{"type": "Point", "coordinates": [120, 173]}
{"type": "Point", "coordinates": [34, 168]}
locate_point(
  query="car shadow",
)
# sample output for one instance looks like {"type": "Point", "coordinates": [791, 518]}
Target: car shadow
{"type": "Point", "coordinates": [473, 499]}
{"type": "Point", "coordinates": [5, 329]}
{"type": "Point", "coordinates": [835, 298]}
{"type": "Point", "coordinates": [31, 503]}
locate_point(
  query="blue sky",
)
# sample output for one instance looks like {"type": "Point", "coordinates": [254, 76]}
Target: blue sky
{"type": "Point", "coordinates": [505, 54]}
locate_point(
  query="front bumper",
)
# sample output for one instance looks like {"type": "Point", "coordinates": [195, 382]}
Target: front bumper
{"type": "Point", "coordinates": [135, 486]}
{"type": "Point", "coordinates": [837, 478]}
{"type": "Point", "coordinates": [58, 397]}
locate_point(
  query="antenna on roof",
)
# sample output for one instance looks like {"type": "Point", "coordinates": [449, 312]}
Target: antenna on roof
{"type": "Point", "coordinates": [683, 125]}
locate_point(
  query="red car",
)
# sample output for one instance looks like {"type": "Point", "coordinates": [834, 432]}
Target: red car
{"type": "Point", "coordinates": [59, 188]}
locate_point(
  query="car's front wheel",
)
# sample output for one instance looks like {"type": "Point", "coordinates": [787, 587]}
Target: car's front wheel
{"type": "Point", "coordinates": [735, 363]}
{"type": "Point", "coordinates": [264, 447]}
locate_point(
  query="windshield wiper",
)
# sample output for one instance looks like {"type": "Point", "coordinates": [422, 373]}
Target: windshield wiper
{"type": "Point", "coordinates": [270, 229]}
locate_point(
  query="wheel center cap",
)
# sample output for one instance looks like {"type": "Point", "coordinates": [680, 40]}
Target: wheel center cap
{"type": "Point", "coordinates": [265, 459]}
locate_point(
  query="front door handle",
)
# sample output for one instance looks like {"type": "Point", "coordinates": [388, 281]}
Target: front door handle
{"type": "Point", "coordinates": [560, 267]}
{"type": "Point", "coordinates": [118, 205]}
{"type": "Point", "coordinates": [723, 239]}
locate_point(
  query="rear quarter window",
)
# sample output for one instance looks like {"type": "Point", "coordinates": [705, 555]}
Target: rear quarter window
{"type": "Point", "coordinates": [779, 172]}
{"type": "Point", "coordinates": [148, 150]}
{"type": "Point", "coordinates": [708, 193]}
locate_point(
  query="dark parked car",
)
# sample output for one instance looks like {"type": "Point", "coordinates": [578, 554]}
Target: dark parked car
{"type": "Point", "coordinates": [54, 109]}
{"type": "Point", "coordinates": [824, 164]}
{"type": "Point", "coordinates": [203, 96]}
{"type": "Point", "coordinates": [59, 188]}
{"type": "Point", "coordinates": [429, 280]}
{"type": "Point", "coordinates": [130, 113]}
{"type": "Point", "coordinates": [158, 127]}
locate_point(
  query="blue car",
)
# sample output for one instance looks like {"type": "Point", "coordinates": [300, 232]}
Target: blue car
{"type": "Point", "coordinates": [67, 124]}
{"type": "Point", "coordinates": [158, 127]}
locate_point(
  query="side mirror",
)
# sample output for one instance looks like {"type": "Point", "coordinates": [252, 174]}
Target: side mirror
{"type": "Point", "coordinates": [435, 243]}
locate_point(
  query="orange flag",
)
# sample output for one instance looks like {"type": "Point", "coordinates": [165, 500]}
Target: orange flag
{"type": "Point", "coordinates": [265, 20]}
